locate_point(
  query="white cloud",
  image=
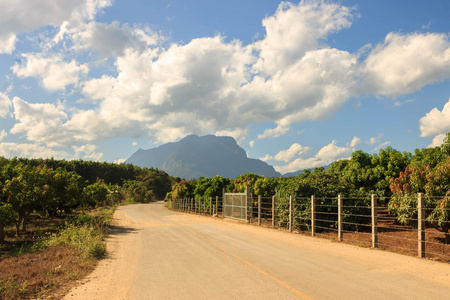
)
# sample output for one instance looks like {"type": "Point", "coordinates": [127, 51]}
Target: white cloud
{"type": "Point", "coordinates": [26, 16]}
{"type": "Point", "coordinates": [332, 152]}
{"type": "Point", "coordinates": [405, 63]}
{"type": "Point", "coordinates": [3, 134]}
{"type": "Point", "coordinates": [323, 157]}
{"type": "Point", "coordinates": [381, 146]}
{"type": "Point", "coordinates": [53, 72]}
{"type": "Point", "coordinates": [5, 104]}
{"type": "Point", "coordinates": [41, 122]}
{"type": "Point", "coordinates": [437, 140]}
{"type": "Point", "coordinates": [31, 151]}
{"type": "Point", "coordinates": [435, 122]}
{"type": "Point", "coordinates": [355, 142]}
{"type": "Point", "coordinates": [294, 150]}
{"type": "Point", "coordinates": [295, 29]}
{"type": "Point", "coordinates": [87, 152]}
{"type": "Point", "coordinates": [112, 39]}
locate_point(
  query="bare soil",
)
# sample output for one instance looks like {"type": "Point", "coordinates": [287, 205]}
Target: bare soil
{"type": "Point", "coordinates": [48, 274]}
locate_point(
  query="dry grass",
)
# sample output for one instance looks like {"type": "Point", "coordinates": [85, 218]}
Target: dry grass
{"type": "Point", "coordinates": [45, 261]}
{"type": "Point", "coordinates": [47, 274]}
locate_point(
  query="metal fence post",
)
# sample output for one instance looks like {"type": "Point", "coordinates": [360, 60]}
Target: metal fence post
{"type": "Point", "coordinates": [290, 214]}
{"type": "Point", "coordinates": [340, 217]}
{"type": "Point", "coordinates": [374, 221]}
{"type": "Point", "coordinates": [259, 210]}
{"type": "Point", "coordinates": [273, 212]}
{"type": "Point", "coordinates": [313, 215]}
{"type": "Point", "coordinates": [421, 224]}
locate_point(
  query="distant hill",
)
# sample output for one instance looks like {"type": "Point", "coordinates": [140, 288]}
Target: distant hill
{"type": "Point", "coordinates": [201, 156]}
{"type": "Point", "coordinates": [295, 174]}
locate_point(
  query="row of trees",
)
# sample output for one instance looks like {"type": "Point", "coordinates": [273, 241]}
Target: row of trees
{"type": "Point", "coordinates": [55, 188]}
{"type": "Point", "coordinates": [396, 177]}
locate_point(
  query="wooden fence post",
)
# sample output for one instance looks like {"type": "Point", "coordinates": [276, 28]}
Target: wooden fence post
{"type": "Point", "coordinates": [217, 205]}
{"type": "Point", "coordinates": [421, 224]}
{"type": "Point", "coordinates": [290, 214]}
{"type": "Point", "coordinates": [340, 217]}
{"type": "Point", "coordinates": [274, 216]}
{"type": "Point", "coordinates": [210, 206]}
{"type": "Point", "coordinates": [259, 210]}
{"type": "Point", "coordinates": [374, 221]}
{"type": "Point", "coordinates": [247, 194]}
{"type": "Point", "coordinates": [313, 215]}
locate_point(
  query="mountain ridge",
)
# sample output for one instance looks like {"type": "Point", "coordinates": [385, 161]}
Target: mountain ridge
{"type": "Point", "coordinates": [201, 156]}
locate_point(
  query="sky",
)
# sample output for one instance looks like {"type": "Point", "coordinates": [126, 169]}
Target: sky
{"type": "Point", "coordinates": [297, 84]}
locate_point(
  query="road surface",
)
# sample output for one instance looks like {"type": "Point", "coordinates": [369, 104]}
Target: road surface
{"type": "Point", "coordinates": [155, 253]}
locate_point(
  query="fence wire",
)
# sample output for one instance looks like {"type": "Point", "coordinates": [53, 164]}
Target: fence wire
{"type": "Point", "coordinates": [348, 220]}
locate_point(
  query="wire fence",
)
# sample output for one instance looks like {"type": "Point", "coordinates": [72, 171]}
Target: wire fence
{"type": "Point", "coordinates": [365, 222]}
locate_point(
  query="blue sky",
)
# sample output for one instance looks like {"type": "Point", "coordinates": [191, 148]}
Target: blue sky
{"type": "Point", "coordinates": [297, 84]}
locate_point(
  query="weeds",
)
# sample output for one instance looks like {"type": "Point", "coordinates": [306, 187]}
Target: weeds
{"type": "Point", "coordinates": [31, 266]}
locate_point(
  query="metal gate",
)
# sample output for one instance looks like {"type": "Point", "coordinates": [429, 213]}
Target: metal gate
{"type": "Point", "coordinates": [235, 206]}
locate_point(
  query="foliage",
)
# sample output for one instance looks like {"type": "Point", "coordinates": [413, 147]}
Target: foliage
{"type": "Point", "coordinates": [211, 187]}
{"type": "Point", "coordinates": [183, 189]}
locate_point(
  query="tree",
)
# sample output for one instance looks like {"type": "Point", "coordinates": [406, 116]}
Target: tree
{"type": "Point", "coordinates": [438, 187]}
{"type": "Point", "coordinates": [445, 147]}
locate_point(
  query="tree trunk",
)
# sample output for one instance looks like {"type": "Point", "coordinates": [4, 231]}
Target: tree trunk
{"type": "Point", "coordinates": [24, 222]}
{"type": "Point", "coordinates": [18, 227]}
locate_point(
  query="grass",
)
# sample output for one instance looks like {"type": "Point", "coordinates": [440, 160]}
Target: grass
{"type": "Point", "coordinates": [52, 253]}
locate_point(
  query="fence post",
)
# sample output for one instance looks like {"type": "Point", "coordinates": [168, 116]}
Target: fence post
{"type": "Point", "coordinates": [274, 217]}
{"type": "Point", "coordinates": [340, 217]}
{"type": "Point", "coordinates": [223, 201]}
{"type": "Point", "coordinates": [313, 215]}
{"type": "Point", "coordinates": [247, 192]}
{"type": "Point", "coordinates": [217, 205]}
{"type": "Point", "coordinates": [259, 210]}
{"type": "Point", "coordinates": [421, 224]}
{"type": "Point", "coordinates": [195, 205]}
{"type": "Point", "coordinates": [210, 206]}
{"type": "Point", "coordinates": [290, 214]}
{"type": "Point", "coordinates": [374, 221]}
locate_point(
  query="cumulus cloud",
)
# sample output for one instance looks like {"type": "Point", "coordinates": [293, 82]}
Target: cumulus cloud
{"type": "Point", "coordinates": [26, 16]}
{"type": "Point", "coordinates": [323, 157]}
{"type": "Point", "coordinates": [31, 151]}
{"type": "Point", "coordinates": [209, 85]}
{"type": "Point", "coordinates": [5, 104]}
{"type": "Point", "coordinates": [438, 140]}
{"type": "Point", "coordinates": [87, 152]}
{"type": "Point", "coordinates": [435, 122]}
{"type": "Point", "coordinates": [297, 28]}
{"type": "Point", "coordinates": [113, 39]}
{"type": "Point", "coordinates": [3, 134]}
{"type": "Point", "coordinates": [41, 122]}
{"type": "Point", "coordinates": [405, 63]}
{"type": "Point", "coordinates": [294, 150]}
{"type": "Point", "coordinates": [53, 72]}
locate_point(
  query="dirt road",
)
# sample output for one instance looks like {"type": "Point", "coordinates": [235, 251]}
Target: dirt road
{"type": "Point", "coordinates": [154, 253]}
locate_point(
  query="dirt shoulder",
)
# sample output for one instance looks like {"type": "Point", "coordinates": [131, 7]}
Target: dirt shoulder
{"type": "Point", "coordinates": [116, 273]}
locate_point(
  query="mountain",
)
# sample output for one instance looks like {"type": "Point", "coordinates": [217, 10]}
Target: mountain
{"type": "Point", "coordinates": [295, 174]}
{"type": "Point", "coordinates": [201, 156]}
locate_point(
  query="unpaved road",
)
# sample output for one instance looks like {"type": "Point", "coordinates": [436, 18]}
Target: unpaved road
{"type": "Point", "coordinates": [154, 253]}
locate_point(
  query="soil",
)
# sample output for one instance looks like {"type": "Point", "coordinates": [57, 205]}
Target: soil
{"type": "Point", "coordinates": [48, 274]}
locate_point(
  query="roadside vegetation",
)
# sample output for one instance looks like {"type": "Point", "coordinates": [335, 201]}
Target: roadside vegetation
{"type": "Point", "coordinates": [54, 215]}
{"type": "Point", "coordinates": [395, 177]}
